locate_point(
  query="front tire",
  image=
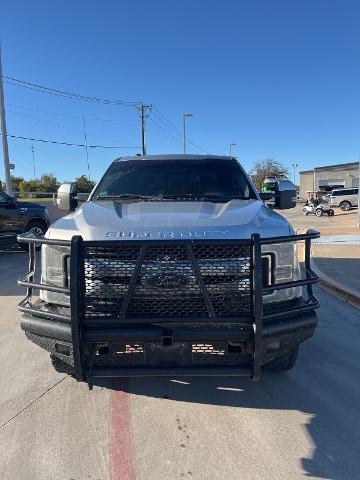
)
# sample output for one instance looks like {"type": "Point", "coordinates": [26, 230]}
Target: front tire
{"type": "Point", "coordinates": [345, 206]}
{"type": "Point", "coordinates": [286, 361]}
{"type": "Point", "coordinates": [319, 212]}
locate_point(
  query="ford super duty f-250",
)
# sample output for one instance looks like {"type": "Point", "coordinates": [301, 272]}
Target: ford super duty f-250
{"type": "Point", "coordinates": [173, 266]}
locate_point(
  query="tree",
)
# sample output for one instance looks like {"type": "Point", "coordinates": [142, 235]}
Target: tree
{"type": "Point", "coordinates": [84, 185]}
{"type": "Point", "coordinates": [32, 186]}
{"type": "Point", "coordinates": [267, 168]}
{"type": "Point", "coordinates": [17, 183]}
{"type": "Point", "coordinates": [48, 183]}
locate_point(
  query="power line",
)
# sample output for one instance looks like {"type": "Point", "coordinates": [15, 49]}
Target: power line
{"type": "Point", "coordinates": [63, 93]}
{"type": "Point", "coordinates": [158, 126]}
{"type": "Point", "coordinates": [166, 120]}
{"type": "Point", "coordinates": [41, 111]}
{"type": "Point", "coordinates": [66, 115]}
{"type": "Point", "coordinates": [154, 122]}
{"type": "Point", "coordinates": [75, 96]}
{"type": "Point", "coordinates": [176, 130]}
{"type": "Point", "coordinates": [61, 126]}
{"type": "Point", "coordinates": [43, 140]}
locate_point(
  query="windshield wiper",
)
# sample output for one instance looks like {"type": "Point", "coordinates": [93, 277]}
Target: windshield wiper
{"type": "Point", "coordinates": [225, 198]}
{"type": "Point", "coordinates": [204, 198]}
{"type": "Point", "coordinates": [128, 196]}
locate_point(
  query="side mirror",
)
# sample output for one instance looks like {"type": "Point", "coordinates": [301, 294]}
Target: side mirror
{"type": "Point", "coordinates": [66, 197]}
{"type": "Point", "coordinates": [266, 196]}
{"type": "Point", "coordinates": [285, 196]}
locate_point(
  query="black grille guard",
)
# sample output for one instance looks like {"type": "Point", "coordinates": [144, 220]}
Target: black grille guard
{"type": "Point", "coordinates": [79, 326]}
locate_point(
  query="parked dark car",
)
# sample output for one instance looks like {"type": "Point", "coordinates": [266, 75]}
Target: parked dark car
{"type": "Point", "coordinates": [20, 217]}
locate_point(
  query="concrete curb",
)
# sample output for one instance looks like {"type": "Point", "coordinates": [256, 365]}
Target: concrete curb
{"type": "Point", "coordinates": [340, 290]}
{"type": "Point", "coordinates": [345, 293]}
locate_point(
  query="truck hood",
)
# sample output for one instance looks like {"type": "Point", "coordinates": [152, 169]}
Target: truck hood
{"type": "Point", "coordinates": [109, 220]}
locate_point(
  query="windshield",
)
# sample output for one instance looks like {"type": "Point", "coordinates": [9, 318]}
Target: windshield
{"type": "Point", "coordinates": [218, 179]}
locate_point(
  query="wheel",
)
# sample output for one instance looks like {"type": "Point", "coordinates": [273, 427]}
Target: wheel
{"type": "Point", "coordinates": [319, 212]}
{"type": "Point", "coordinates": [37, 229]}
{"type": "Point", "coordinates": [331, 213]}
{"type": "Point", "coordinates": [285, 362]}
{"type": "Point", "coordinates": [345, 206]}
{"type": "Point", "coordinates": [60, 366]}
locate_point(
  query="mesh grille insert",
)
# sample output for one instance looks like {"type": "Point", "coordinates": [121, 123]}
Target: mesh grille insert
{"type": "Point", "coordinates": [167, 284]}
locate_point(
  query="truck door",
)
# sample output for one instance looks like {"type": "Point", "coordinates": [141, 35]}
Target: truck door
{"type": "Point", "coordinates": [9, 216]}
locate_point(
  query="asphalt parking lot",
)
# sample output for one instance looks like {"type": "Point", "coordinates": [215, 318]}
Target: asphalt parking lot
{"type": "Point", "coordinates": [300, 424]}
{"type": "Point", "coordinates": [325, 224]}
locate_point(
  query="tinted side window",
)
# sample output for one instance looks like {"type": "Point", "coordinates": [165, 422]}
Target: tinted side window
{"type": "Point", "coordinates": [3, 198]}
{"type": "Point", "coordinates": [339, 193]}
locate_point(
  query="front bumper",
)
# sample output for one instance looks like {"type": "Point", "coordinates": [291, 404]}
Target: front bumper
{"type": "Point", "coordinates": [156, 350]}
{"type": "Point", "coordinates": [122, 345]}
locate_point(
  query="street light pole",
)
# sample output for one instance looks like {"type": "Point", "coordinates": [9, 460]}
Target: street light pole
{"type": "Point", "coordinates": [9, 189]}
{"type": "Point", "coordinates": [295, 165]}
{"type": "Point", "coordinates": [359, 197]}
{"type": "Point", "coordinates": [184, 129]}
{"type": "Point", "coordinates": [86, 148]}
{"type": "Point", "coordinates": [232, 145]}
{"type": "Point", "coordinates": [33, 158]}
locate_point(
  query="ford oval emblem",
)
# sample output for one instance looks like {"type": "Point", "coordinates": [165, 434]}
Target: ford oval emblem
{"type": "Point", "coordinates": [166, 280]}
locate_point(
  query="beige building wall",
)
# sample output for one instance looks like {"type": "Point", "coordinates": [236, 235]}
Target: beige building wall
{"type": "Point", "coordinates": [306, 183]}
{"type": "Point", "coordinates": [342, 175]}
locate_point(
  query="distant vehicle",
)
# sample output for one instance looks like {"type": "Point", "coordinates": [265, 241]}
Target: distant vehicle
{"type": "Point", "coordinates": [19, 217]}
{"type": "Point", "coordinates": [318, 210]}
{"type": "Point", "coordinates": [173, 266]}
{"type": "Point", "coordinates": [269, 184]}
{"type": "Point", "coordinates": [345, 198]}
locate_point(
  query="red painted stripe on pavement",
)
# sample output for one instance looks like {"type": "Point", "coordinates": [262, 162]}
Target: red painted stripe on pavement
{"type": "Point", "coordinates": [121, 454]}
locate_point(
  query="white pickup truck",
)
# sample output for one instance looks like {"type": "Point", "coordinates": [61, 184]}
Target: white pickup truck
{"type": "Point", "coordinates": [174, 266]}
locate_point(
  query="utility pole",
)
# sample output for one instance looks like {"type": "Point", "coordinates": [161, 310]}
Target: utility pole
{"type": "Point", "coordinates": [185, 115]}
{"type": "Point", "coordinates": [9, 189]}
{"type": "Point", "coordinates": [33, 157]}
{"type": "Point", "coordinates": [359, 197]}
{"type": "Point", "coordinates": [86, 148]}
{"type": "Point", "coordinates": [143, 109]}
{"type": "Point", "coordinates": [231, 145]}
{"type": "Point", "coordinates": [295, 165]}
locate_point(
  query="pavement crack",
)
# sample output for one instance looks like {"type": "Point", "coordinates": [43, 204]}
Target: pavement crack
{"type": "Point", "coordinates": [31, 403]}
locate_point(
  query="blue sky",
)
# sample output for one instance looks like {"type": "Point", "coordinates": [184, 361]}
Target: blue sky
{"type": "Point", "coordinates": [280, 78]}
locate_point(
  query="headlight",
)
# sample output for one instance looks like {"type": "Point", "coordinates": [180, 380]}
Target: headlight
{"type": "Point", "coordinates": [284, 268]}
{"type": "Point", "coordinates": [55, 271]}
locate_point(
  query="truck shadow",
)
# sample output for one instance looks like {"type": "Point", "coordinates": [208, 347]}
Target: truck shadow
{"type": "Point", "coordinates": [13, 264]}
{"type": "Point", "coordinates": [333, 441]}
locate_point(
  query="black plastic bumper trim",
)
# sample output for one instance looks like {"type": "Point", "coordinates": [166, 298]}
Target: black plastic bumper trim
{"type": "Point", "coordinates": [287, 326]}
{"type": "Point", "coordinates": [202, 371]}
{"type": "Point", "coordinates": [46, 328]}
{"type": "Point", "coordinates": [153, 333]}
